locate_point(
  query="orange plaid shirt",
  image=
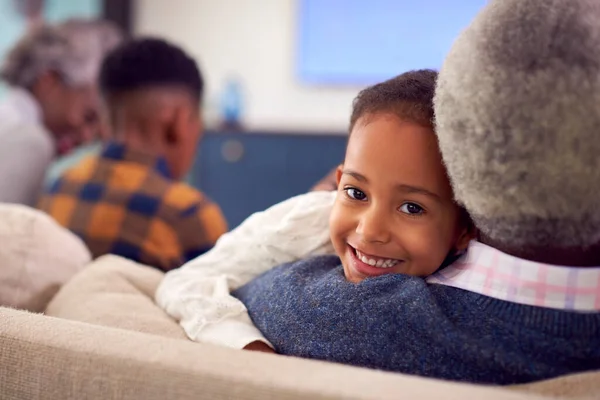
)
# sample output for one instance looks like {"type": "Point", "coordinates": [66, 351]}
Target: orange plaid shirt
{"type": "Point", "coordinates": [124, 202]}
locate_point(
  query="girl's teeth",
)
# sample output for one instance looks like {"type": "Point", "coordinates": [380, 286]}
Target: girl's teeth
{"type": "Point", "coordinates": [381, 263]}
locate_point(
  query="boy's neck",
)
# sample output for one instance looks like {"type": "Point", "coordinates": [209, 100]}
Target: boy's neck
{"type": "Point", "coordinates": [141, 141]}
{"type": "Point", "coordinates": [569, 256]}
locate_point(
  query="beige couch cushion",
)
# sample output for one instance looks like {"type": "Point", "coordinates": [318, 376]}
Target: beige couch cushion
{"type": "Point", "coordinates": [116, 292]}
{"type": "Point", "coordinates": [37, 256]}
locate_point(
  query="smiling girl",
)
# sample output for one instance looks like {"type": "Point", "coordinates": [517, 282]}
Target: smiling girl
{"type": "Point", "coordinates": [394, 211]}
{"type": "Point", "coordinates": [393, 214]}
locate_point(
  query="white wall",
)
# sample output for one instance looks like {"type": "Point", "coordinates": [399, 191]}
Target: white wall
{"type": "Point", "coordinates": [254, 40]}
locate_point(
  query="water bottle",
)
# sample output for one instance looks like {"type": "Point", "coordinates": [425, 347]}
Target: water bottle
{"type": "Point", "coordinates": [232, 105]}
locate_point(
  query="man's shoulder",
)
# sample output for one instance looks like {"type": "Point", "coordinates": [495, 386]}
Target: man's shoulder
{"type": "Point", "coordinates": [301, 273]}
{"type": "Point", "coordinates": [310, 269]}
{"type": "Point", "coordinates": [323, 277]}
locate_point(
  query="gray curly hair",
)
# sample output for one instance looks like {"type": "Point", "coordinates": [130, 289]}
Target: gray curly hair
{"type": "Point", "coordinates": [518, 117]}
{"type": "Point", "coordinates": [74, 49]}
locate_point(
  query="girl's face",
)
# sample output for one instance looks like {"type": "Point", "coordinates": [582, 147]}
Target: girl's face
{"type": "Point", "coordinates": [394, 211]}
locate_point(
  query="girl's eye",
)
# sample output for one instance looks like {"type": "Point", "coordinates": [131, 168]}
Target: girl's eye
{"type": "Point", "coordinates": [355, 194]}
{"type": "Point", "coordinates": [412, 209]}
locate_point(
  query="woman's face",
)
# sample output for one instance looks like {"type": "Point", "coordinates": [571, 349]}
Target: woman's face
{"type": "Point", "coordinates": [70, 112]}
{"type": "Point", "coordinates": [394, 212]}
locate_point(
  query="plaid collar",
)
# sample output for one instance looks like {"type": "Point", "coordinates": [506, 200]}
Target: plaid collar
{"type": "Point", "coordinates": [487, 271]}
{"type": "Point", "coordinates": [119, 152]}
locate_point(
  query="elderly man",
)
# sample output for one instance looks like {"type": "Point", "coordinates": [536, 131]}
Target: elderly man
{"type": "Point", "coordinates": [51, 104]}
{"type": "Point", "coordinates": [517, 112]}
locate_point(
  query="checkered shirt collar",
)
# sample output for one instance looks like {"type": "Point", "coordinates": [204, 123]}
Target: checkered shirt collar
{"type": "Point", "coordinates": [490, 272]}
{"type": "Point", "coordinates": [119, 152]}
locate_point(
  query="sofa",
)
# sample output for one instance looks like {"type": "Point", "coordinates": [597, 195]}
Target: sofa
{"type": "Point", "coordinates": [102, 337]}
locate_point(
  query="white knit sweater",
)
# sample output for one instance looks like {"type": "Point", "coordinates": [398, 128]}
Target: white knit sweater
{"type": "Point", "coordinates": [198, 294]}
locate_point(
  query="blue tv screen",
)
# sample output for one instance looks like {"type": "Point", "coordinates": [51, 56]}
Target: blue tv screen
{"type": "Point", "coordinates": [361, 42]}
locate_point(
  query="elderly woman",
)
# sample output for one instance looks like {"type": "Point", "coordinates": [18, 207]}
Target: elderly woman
{"type": "Point", "coordinates": [52, 101]}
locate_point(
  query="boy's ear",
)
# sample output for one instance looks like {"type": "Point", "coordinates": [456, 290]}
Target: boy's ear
{"type": "Point", "coordinates": [177, 125]}
{"type": "Point", "coordinates": [338, 174]}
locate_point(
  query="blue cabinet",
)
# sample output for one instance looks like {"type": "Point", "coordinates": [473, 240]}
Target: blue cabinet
{"type": "Point", "coordinates": [248, 172]}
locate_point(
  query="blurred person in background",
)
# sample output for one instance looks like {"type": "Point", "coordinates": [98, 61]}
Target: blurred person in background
{"type": "Point", "coordinates": [130, 199]}
{"type": "Point", "coordinates": [96, 132]}
{"type": "Point", "coordinates": [51, 105]}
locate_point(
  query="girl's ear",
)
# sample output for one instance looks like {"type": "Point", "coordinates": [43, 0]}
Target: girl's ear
{"type": "Point", "coordinates": [338, 174]}
{"type": "Point", "coordinates": [467, 231]}
{"type": "Point", "coordinates": [464, 238]}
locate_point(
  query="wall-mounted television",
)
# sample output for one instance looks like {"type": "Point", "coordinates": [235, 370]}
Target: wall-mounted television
{"type": "Point", "coordinates": [358, 42]}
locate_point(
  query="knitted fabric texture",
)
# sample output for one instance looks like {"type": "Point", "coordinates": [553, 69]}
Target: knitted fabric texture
{"type": "Point", "coordinates": [400, 323]}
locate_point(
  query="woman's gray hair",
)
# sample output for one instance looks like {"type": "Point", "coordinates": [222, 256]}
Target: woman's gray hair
{"type": "Point", "coordinates": [73, 49]}
{"type": "Point", "coordinates": [518, 118]}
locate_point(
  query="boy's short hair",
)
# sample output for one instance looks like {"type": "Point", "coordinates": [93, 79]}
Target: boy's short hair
{"type": "Point", "coordinates": [518, 122]}
{"type": "Point", "coordinates": [148, 63]}
{"type": "Point", "coordinates": [409, 96]}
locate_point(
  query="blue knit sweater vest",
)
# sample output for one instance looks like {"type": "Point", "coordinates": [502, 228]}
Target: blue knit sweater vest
{"type": "Point", "coordinates": [400, 323]}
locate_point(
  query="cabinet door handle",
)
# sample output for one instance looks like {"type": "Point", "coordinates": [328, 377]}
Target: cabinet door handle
{"type": "Point", "coordinates": [232, 151]}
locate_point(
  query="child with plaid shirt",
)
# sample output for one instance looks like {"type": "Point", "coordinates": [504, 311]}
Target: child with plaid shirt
{"type": "Point", "coordinates": [129, 200]}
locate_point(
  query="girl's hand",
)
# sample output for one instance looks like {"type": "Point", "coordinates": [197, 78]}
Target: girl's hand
{"type": "Point", "coordinates": [259, 346]}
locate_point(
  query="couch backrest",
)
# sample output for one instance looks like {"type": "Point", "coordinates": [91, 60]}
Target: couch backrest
{"type": "Point", "coordinates": [48, 358]}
